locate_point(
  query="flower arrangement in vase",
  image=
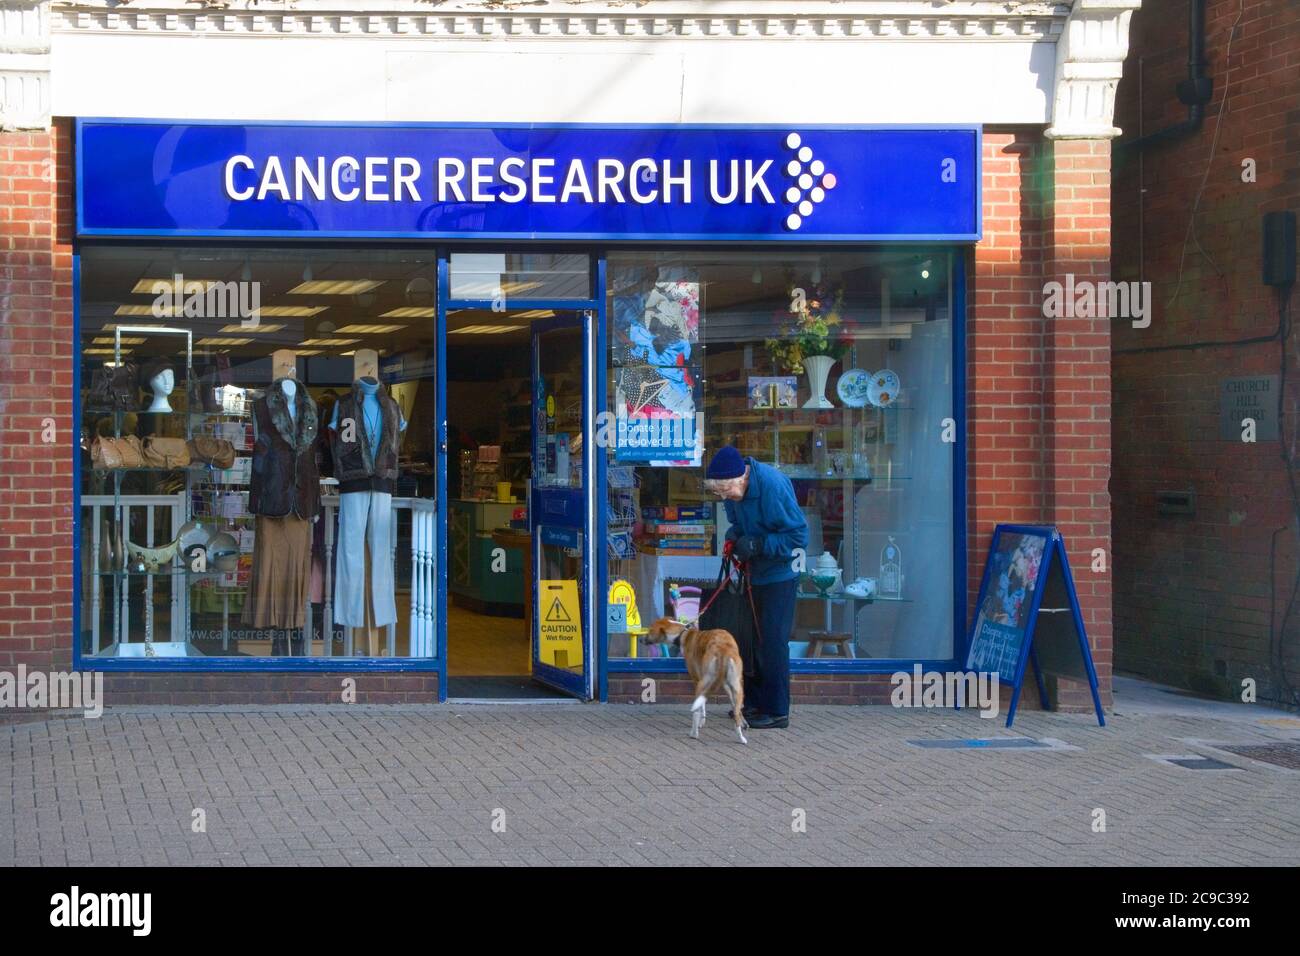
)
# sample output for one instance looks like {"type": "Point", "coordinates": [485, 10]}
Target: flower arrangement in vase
{"type": "Point", "coordinates": [809, 344]}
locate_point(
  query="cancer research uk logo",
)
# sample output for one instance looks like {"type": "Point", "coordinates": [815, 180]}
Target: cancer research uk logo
{"type": "Point", "coordinates": [809, 181]}
{"type": "Point", "coordinates": [540, 180]}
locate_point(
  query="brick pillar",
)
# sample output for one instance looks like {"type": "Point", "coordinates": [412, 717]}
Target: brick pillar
{"type": "Point", "coordinates": [1075, 184]}
{"type": "Point", "coordinates": [1004, 351]}
{"type": "Point", "coordinates": [36, 427]}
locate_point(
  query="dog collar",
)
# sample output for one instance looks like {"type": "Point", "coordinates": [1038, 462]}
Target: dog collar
{"type": "Point", "coordinates": [677, 639]}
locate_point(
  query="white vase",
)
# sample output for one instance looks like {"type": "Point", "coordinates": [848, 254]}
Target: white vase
{"type": "Point", "coordinates": [818, 368]}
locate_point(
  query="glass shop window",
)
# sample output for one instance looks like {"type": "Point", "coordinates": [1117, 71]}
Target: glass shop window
{"type": "Point", "coordinates": [257, 442]}
{"type": "Point", "coordinates": [833, 368]}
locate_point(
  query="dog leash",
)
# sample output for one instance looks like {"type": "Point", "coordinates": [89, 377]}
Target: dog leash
{"type": "Point", "coordinates": [729, 563]}
{"type": "Point", "coordinates": [753, 612]}
{"type": "Point", "coordinates": [724, 578]}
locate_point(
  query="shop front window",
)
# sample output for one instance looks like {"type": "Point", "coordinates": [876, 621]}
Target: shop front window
{"type": "Point", "coordinates": [258, 460]}
{"type": "Point", "coordinates": [833, 368]}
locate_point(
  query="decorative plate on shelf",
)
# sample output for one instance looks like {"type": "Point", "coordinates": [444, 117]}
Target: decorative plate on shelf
{"type": "Point", "coordinates": [883, 388]}
{"type": "Point", "coordinates": [852, 387]}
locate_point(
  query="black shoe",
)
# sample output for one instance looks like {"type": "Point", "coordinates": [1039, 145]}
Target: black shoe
{"type": "Point", "coordinates": [769, 722]}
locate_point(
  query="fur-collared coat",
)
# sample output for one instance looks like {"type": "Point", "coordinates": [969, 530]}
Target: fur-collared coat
{"type": "Point", "coordinates": [285, 479]}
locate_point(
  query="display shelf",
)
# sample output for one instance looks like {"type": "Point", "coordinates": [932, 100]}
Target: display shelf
{"type": "Point", "coordinates": [839, 597]}
{"type": "Point", "coordinates": [122, 504]}
{"type": "Point", "coordinates": [171, 571]}
{"type": "Point", "coordinates": [192, 466]}
{"type": "Point", "coordinates": [736, 385]}
{"type": "Point", "coordinates": [865, 479]}
{"type": "Point", "coordinates": [871, 478]}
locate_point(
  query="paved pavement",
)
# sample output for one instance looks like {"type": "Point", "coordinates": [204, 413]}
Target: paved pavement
{"type": "Point", "coordinates": [614, 784]}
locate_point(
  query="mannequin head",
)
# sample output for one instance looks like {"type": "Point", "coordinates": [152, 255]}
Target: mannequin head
{"type": "Point", "coordinates": [365, 364]}
{"type": "Point", "coordinates": [160, 378]}
{"type": "Point", "coordinates": [284, 364]}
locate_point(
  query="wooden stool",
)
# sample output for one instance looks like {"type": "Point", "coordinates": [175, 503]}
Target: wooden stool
{"type": "Point", "coordinates": [819, 640]}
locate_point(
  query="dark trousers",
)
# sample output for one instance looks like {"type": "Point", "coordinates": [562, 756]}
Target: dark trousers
{"type": "Point", "coordinates": [769, 691]}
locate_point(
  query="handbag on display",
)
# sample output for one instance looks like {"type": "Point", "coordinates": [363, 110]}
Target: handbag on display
{"type": "Point", "coordinates": [166, 452]}
{"type": "Point", "coordinates": [125, 452]}
{"type": "Point", "coordinates": [204, 386]}
{"type": "Point", "coordinates": [216, 452]}
{"type": "Point", "coordinates": [114, 388]}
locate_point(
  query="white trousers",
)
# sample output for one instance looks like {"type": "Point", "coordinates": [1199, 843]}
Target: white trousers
{"type": "Point", "coordinates": [365, 517]}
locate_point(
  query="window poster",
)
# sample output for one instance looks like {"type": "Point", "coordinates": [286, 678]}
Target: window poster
{"type": "Point", "coordinates": [658, 373]}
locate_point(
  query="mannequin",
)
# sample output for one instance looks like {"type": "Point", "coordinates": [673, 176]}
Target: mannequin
{"type": "Point", "coordinates": [161, 385]}
{"type": "Point", "coordinates": [160, 378]}
{"type": "Point", "coordinates": [365, 432]}
{"type": "Point", "coordinates": [284, 494]}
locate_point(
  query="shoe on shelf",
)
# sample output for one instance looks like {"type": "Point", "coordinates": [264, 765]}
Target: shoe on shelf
{"type": "Point", "coordinates": [769, 722]}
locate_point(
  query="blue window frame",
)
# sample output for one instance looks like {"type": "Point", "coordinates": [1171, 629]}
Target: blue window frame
{"type": "Point", "coordinates": [879, 665]}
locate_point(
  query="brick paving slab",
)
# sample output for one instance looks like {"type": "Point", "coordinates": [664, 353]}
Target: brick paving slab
{"type": "Point", "coordinates": [622, 784]}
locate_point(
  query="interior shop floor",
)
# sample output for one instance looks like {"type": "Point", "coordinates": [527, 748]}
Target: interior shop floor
{"type": "Point", "coordinates": [481, 645]}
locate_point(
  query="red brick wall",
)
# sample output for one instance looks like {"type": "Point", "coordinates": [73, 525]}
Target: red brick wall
{"type": "Point", "coordinates": [35, 388]}
{"type": "Point", "coordinates": [1200, 599]}
{"type": "Point", "coordinates": [1076, 373]}
{"type": "Point", "coordinates": [269, 688]}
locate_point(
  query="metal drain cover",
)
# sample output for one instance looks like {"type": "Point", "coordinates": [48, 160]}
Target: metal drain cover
{"type": "Point", "coordinates": [984, 743]}
{"type": "Point", "coordinates": [1201, 763]}
{"type": "Point", "coordinates": [1279, 754]}
{"type": "Point", "coordinates": [1193, 761]}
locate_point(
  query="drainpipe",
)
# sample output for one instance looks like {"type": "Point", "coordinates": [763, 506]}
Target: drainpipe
{"type": "Point", "coordinates": [1194, 92]}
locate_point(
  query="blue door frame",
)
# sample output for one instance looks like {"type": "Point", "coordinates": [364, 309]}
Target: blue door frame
{"type": "Point", "coordinates": [594, 469]}
{"type": "Point", "coordinates": [589, 314]}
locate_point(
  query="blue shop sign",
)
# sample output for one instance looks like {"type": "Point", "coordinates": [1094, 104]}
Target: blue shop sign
{"type": "Point", "coordinates": [663, 183]}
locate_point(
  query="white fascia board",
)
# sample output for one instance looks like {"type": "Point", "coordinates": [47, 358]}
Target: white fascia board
{"type": "Point", "coordinates": [311, 78]}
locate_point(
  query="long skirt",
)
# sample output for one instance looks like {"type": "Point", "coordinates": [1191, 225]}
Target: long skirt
{"type": "Point", "coordinates": [277, 591]}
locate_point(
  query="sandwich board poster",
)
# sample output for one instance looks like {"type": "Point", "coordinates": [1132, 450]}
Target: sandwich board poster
{"type": "Point", "coordinates": [1027, 603]}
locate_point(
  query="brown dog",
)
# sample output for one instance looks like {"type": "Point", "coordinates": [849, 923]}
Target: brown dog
{"type": "Point", "coordinates": [713, 660]}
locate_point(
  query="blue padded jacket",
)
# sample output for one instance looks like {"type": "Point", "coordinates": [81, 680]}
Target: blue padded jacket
{"type": "Point", "coordinates": [770, 512]}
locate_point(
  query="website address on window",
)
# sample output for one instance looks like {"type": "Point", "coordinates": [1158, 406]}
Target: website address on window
{"type": "Point", "coordinates": [1203, 923]}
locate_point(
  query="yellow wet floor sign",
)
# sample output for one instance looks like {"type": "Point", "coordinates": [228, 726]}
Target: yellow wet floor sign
{"type": "Point", "coordinates": [559, 625]}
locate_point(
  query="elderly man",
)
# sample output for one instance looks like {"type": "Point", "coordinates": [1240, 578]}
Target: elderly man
{"type": "Point", "coordinates": [767, 528]}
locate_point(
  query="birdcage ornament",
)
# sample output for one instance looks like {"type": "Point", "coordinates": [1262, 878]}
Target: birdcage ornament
{"type": "Point", "coordinates": [891, 570]}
